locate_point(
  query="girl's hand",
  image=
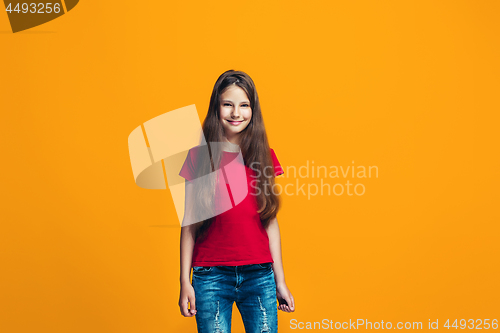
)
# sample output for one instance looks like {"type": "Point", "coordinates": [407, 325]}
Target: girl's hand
{"type": "Point", "coordinates": [187, 296]}
{"type": "Point", "coordinates": [285, 298]}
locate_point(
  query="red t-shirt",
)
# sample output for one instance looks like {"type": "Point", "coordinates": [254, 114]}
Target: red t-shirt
{"type": "Point", "coordinates": [236, 236]}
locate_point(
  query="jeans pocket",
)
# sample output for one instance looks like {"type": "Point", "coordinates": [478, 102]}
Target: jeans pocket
{"type": "Point", "coordinates": [202, 269]}
{"type": "Point", "coordinates": [266, 265]}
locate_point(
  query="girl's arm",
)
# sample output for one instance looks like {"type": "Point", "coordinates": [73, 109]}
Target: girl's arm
{"type": "Point", "coordinates": [187, 245]}
{"type": "Point", "coordinates": [186, 250]}
{"type": "Point", "coordinates": [284, 295]}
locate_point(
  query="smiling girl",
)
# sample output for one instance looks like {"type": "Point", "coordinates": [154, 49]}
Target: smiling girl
{"type": "Point", "coordinates": [236, 254]}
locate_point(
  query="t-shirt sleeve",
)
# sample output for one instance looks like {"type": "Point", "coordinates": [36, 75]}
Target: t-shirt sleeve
{"type": "Point", "coordinates": [187, 170]}
{"type": "Point", "coordinates": [278, 170]}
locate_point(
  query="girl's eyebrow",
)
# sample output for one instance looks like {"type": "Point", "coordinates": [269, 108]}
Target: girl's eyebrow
{"type": "Point", "coordinates": [226, 100]}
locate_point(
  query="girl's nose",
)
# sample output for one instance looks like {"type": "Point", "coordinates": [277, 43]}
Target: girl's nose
{"type": "Point", "coordinates": [236, 112]}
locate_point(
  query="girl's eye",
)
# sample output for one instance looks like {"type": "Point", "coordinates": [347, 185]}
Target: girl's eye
{"type": "Point", "coordinates": [227, 104]}
{"type": "Point", "coordinates": [245, 105]}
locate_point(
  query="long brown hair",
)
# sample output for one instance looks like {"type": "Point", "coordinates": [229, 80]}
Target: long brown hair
{"type": "Point", "coordinates": [254, 148]}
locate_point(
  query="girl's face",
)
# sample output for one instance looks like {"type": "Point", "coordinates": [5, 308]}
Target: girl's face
{"type": "Point", "coordinates": [235, 112]}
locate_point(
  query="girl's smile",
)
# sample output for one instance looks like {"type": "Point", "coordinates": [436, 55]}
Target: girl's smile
{"type": "Point", "coordinates": [234, 123]}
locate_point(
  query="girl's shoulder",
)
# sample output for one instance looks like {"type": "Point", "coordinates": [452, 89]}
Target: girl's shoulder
{"type": "Point", "coordinates": [277, 166]}
{"type": "Point", "coordinates": [197, 150]}
{"type": "Point", "coordinates": [273, 153]}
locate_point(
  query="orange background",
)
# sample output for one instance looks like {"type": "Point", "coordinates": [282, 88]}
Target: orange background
{"type": "Point", "coordinates": [411, 87]}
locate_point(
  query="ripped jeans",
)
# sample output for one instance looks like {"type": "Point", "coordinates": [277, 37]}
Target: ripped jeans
{"type": "Point", "coordinates": [253, 289]}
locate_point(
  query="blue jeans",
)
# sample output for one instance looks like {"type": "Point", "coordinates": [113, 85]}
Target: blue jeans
{"type": "Point", "coordinates": [253, 289]}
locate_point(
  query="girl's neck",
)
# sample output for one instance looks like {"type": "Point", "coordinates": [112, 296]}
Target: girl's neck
{"type": "Point", "coordinates": [230, 146]}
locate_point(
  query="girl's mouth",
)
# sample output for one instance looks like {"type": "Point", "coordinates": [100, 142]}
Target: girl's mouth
{"type": "Point", "coordinates": [234, 123]}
